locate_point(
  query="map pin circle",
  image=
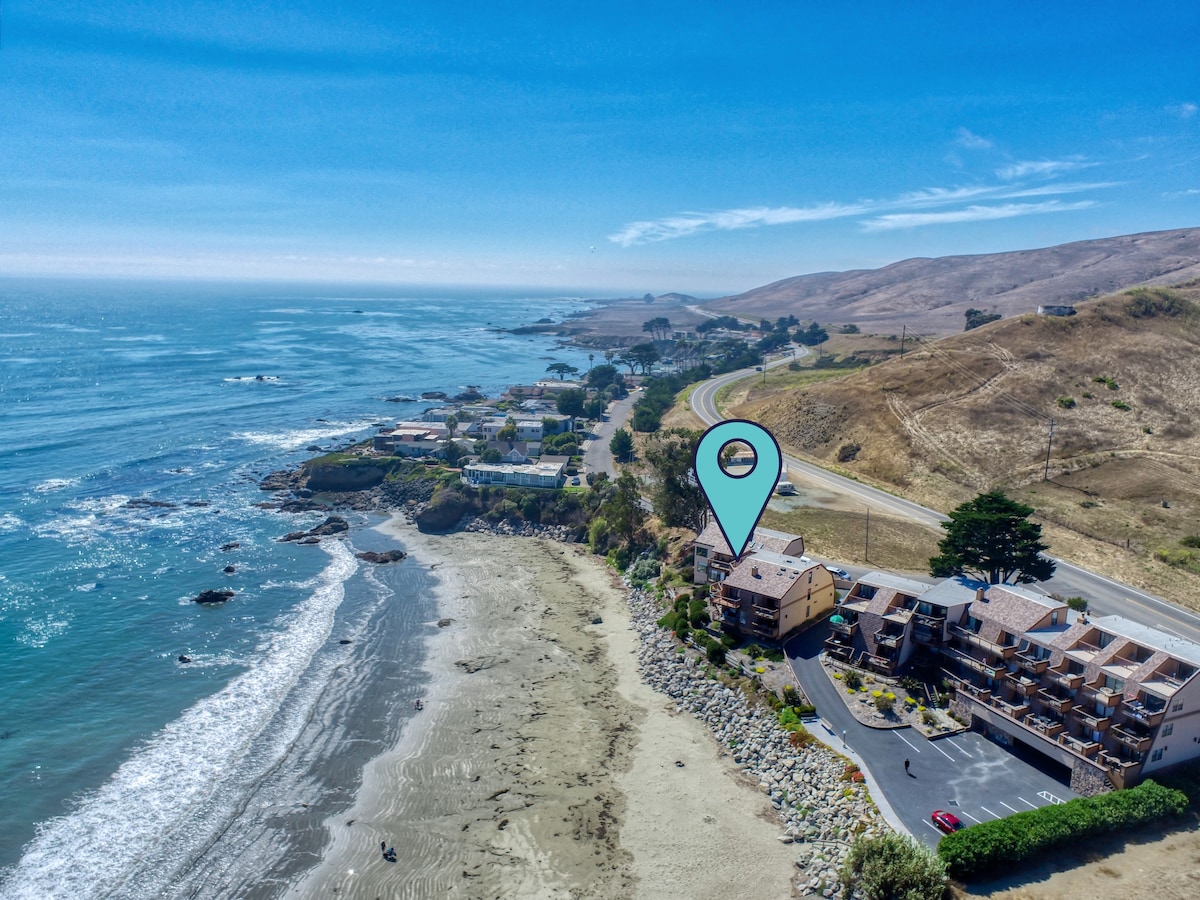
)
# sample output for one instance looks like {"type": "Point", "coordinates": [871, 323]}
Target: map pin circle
{"type": "Point", "coordinates": [738, 501]}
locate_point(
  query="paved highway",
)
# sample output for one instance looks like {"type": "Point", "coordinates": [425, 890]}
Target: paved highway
{"type": "Point", "coordinates": [1105, 595]}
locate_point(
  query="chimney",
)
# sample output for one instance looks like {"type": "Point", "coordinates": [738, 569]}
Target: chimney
{"type": "Point", "coordinates": [754, 571]}
{"type": "Point", "coordinates": [981, 595]}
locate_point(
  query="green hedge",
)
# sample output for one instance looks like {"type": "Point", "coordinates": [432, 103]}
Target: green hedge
{"type": "Point", "coordinates": [987, 848]}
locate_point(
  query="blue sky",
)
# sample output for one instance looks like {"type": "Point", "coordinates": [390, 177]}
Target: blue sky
{"type": "Point", "coordinates": [604, 147]}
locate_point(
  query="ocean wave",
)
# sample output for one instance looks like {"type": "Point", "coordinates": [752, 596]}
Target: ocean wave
{"type": "Point", "coordinates": [55, 484]}
{"type": "Point", "coordinates": [103, 845]}
{"type": "Point", "coordinates": [299, 438]}
{"type": "Point", "coordinates": [251, 378]}
{"type": "Point", "coordinates": [9, 522]}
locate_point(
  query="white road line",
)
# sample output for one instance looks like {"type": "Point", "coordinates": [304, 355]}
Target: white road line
{"type": "Point", "coordinates": [958, 748]}
{"type": "Point", "coordinates": [1172, 630]}
{"type": "Point", "coordinates": [931, 825]}
{"type": "Point", "coordinates": [1027, 803]}
{"type": "Point", "coordinates": [941, 751]}
{"type": "Point", "coordinates": [914, 746]}
{"type": "Point", "coordinates": [1006, 806]}
{"type": "Point", "coordinates": [971, 817]}
{"type": "Point", "coordinates": [989, 812]}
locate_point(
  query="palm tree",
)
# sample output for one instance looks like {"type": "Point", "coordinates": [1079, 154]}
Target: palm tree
{"type": "Point", "coordinates": [591, 356]}
{"type": "Point", "coordinates": [451, 425]}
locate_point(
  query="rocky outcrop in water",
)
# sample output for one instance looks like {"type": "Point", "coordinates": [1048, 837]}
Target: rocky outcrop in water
{"type": "Point", "coordinates": [213, 596]}
{"type": "Point", "coordinates": [332, 525]}
{"type": "Point", "coordinates": [387, 556]}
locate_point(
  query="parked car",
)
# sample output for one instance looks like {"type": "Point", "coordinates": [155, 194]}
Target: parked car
{"type": "Point", "coordinates": [838, 573]}
{"type": "Point", "coordinates": [575, 480]}
{"type": "Point", "coordinates": [945, 821]}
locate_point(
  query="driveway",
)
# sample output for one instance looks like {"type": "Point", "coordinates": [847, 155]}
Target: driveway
{"type": "Point", "coordinates": [967, 774]}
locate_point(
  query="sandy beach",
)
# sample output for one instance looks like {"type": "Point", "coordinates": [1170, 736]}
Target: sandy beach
{"type": "Point", "coordinates": [542, 765]}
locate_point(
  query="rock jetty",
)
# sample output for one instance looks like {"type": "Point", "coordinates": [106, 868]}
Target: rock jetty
{"type": "Point", "coordinates": [820, 812]}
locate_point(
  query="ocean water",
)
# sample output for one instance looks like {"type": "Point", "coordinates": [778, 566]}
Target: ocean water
{"type": "Point", "coordinates": [135, 429]}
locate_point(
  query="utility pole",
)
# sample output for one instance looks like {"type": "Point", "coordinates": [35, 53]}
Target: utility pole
{"type": "Point", "coordinates": [867, 539]}
{"type": "Point", "coordinates": [1049, 443]}
{"type": "Point", "coordinates": [903, 335]}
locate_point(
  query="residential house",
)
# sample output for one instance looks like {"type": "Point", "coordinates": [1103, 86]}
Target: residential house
{"type": "Point", "coordinates": [712, 559]}
{"type": "Point", "coordinates": [411, 439]}
{"type": "Point", "coordinates": [769, 595]}
{"type": "Point", "coordinates": [548, 472]}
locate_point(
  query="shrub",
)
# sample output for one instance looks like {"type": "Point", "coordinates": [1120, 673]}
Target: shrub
{"type": "Point", "coordinates": [1066, 402]}
{"type": "Point", "coordinates": [1121, 405]}
{"type": "Point", "coordinates": [987, 848]}
{"type": "Point", "coordinates": [643, 571]}
{"type": "Point", "coordinates": [1192, 541]}
{"type": "Point", "coordinates": [911, 684]}
{"type": "Point", "coordinates": [848, 452]}
{"type": "Point", "coordinates": [791, 696]}
{"type": "Point", "coordinates": [893, 867]}
{"type": "Point", "coordinates": [715, 653]}
{"type": "Point", "coordinates": [1079, 604]}
{"type": "Point", "coordinates": [853, 680]}
{"type": "Point", "coordinates": [884, 702]}
{"type": "Point", "coordinates": [928, 718]}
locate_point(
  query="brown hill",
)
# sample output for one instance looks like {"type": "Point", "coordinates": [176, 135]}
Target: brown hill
{"type": "Point", "coordinates": [971, 412]}
{"type": "Point", "coordinates": [931, 295]}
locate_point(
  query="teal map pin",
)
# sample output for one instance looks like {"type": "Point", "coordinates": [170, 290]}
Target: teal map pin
{"type": "Point", "coordinates": [738, 501]}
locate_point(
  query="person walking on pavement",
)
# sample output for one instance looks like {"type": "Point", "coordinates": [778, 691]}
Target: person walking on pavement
{"type": "Point", "coordinates": [906, 772]}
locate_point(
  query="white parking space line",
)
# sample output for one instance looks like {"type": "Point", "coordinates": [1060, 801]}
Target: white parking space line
{"type": "Point", "coordinates": [931, 825]}
{"type": "Point", "coordinates": [1027, 803]}
{"type": "Point", "coordinates": [1006, 806]}
{"type": "Point", "coordinates": [914, 746]}
{"type": "Point", "coordinates": [958, 748]}
{"type": "Point", "coordinates": [989, 812]}
{"type": "Point", "coordinates": [971, 817]}
{"type": "Point", "coordinates": [941, 751]}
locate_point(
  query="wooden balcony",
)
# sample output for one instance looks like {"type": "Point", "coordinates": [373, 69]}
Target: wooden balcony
{"type": "Point", "coordinates": [881, 664]}
{"type": "Point", "coordinates": [766, 612]}
{"type": "Point", "coordinates": [1016, 711]}
{"type": "Point", "coordinates": [936, 622]}
{"type": "Point", "coordinates": [923, 634]}
{"type": "Point", "coordinates": [1136, 712]}
{"type": "Point", "coordinates": [724, 602]}
{"type": "Point", "coordinates": [1131, 739]}
{"type": "Point", "coordinates": [1058, 704]}
{"type": "Point", "coordinates": [976, 665]}
{"type": "Point", "coordinates": [884, 639]}
{"type": "Point", "coordinates": [1022, 684]}
{"type": "Point", "coordinates": [1091, 720]}
{"type": "Point", "coordinates": [840, 651]}
{"type": "Point", "coordinates": [964, 634]}
{"type": "Point", "coordinates": [1082, 746]}
{"type": "Point", "coordinates": [1031, 664]}
{"type": "Point", "coordinates": [846, 628]}
{"type": "Point", "coordinates": [1066, 681]}
{"type": "Point", "coordinates": [1099, 694]}
{"type": "Point", "coordinates": [1048, 727]}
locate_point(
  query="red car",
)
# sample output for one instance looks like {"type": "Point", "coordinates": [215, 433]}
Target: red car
{"type": "Point", "coordinates": [947, 822]}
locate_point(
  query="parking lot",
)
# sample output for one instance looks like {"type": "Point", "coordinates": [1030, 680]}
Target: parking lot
{"type": "Point", "coordinates": [965, 774]}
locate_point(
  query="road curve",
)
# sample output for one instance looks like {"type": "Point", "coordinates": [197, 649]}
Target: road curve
{"type": "Point", "coordinates": [1106, 595]}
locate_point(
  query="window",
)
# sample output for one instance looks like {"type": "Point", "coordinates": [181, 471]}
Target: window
{"type": "Point", "coordinates": [1157, 755]}
{"type": "Point", "coordinates": [1177, 706]}
{"type": "Point", "coordinates": [1054, 617]}
{"type": "Point", "coordinates": [701, 552]}
{"type": "Point", "coordinates": [1168, 730]}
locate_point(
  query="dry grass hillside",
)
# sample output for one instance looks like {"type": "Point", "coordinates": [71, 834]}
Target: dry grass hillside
{"type": "Point", "coordinates": [931, 295]}
{"type": "Point", "coordinates": [972, 412]}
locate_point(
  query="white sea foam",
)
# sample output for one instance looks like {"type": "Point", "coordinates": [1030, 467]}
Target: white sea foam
{"type": "Point", "coordinates": [299, 438]}
{"type": "Point", "coordinates": [96, 849]}
{"type": "Point", "coordinates": [9, 522]}
{"type": "Point", "coordinates": [54, 484]}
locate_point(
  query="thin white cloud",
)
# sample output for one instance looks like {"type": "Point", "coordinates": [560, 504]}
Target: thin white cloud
{"type": "Point", "coordinates": [971, 141]}
{"type": "Point", "coordinates": [687, 224]}
{"type": "Point", "coordinates": [1184, 110]}
{"type": "Point", "coordinates": [1042, 168]}
{"type": "Point", "coordinates": [970, 214]}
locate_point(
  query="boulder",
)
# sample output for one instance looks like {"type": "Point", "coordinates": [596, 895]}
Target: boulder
{"type": "Point", "coordinates": [213, 596]}
{"type": "Point", "coordinates": [388, 556]}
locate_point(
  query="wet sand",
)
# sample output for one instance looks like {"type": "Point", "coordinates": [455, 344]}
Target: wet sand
{"type": "Point", "coordinates": [542, 766]}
